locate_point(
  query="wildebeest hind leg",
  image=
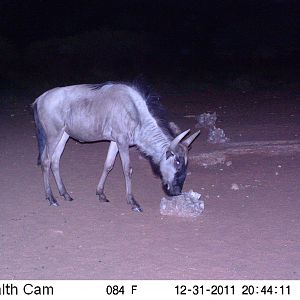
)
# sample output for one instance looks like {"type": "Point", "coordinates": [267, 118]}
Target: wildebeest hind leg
{"type": "Point", "coordinates": [45, 164]}
{"type": "Point", "coordinates": [108, 165]}
{"type": "Point", "coordinates": [55, 166]}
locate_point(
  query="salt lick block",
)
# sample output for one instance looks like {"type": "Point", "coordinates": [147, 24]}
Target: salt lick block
{"type": "Point", "coordinates": [187, 204]}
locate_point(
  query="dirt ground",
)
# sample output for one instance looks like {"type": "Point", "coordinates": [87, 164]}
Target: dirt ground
{"type": "Point", "coordinates": [249, 232]}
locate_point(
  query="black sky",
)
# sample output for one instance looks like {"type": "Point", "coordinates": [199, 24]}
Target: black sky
{"type": "Point", "coordinates": [219, 35]}
{"type": "Point", "coordinates": [191, 21]}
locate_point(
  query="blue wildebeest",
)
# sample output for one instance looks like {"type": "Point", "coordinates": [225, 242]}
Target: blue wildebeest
{"type": "Point", "coordinates": [115, 112]}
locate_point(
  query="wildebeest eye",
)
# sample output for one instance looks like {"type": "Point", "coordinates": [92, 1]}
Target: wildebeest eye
{"type": "Point", "coordinates": [177, 162]}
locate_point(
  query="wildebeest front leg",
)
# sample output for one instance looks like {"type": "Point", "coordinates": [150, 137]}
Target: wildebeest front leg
{"type": "Point", "coordinates": [108, 165]}
{"type": "Point", "coordinates": [124, 153]}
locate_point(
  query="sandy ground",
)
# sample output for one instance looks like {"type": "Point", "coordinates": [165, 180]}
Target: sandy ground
{"type": "Point", "coordinates": [252, 232]}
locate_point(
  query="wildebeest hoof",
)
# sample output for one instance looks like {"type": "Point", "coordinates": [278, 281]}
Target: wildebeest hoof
{"type": "Point", "coordinates": [134, 204]}
{"type": "Point", "coordinates": [68, 197]}
{"type": "Point", "coordinates": [53, 202]}
{"type": "Point", "coordinates": [102, 197]}
{"type": "Point", "coordinates": [137, 208]}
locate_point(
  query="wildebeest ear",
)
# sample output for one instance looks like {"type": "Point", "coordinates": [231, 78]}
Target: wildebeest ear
{"type": "Point", "coordinates": [174, 128]}
{"type": "Point", "coordinates": [169, 153]}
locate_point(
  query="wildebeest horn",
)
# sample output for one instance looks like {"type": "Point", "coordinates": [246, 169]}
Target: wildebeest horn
{"type": "Point", "coordinates": [178, 138]}
{"type": "Point", "coordinates": [191, 138]}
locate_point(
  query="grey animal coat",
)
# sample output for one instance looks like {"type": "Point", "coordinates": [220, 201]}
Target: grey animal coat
{"type": "Point", "coordinates": [118, 113]}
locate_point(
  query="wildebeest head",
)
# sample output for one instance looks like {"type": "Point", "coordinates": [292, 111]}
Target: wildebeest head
{"type": "Point", "coordinates": [173, 166]}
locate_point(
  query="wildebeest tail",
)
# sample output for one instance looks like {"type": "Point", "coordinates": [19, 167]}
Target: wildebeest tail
{"type": "Point", "coordinates": [40, 133]}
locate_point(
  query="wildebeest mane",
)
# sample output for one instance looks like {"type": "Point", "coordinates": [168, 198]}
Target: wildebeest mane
{"type": "Point", "coordinates": [152, 99]}
{"type": "Point", "coordinates": [155, 107]}
{"type": "Point", "coordinates": [159, 113]}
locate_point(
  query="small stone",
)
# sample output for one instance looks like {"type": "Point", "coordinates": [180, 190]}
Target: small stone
{"type": "Point", "coordinates": [235, 187]}
{"type": "Point", "coordinates": [217, 136]}
{"type": "Point", "coordinates": [206, 120]}
{"type": "Point", "coordinates": [228, 163]}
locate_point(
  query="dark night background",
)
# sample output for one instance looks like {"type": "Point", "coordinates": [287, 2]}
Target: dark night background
{"type": "Point", "coordinates": [238, 59]}
{"type": "Point", "coordinates": [233, 43]}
